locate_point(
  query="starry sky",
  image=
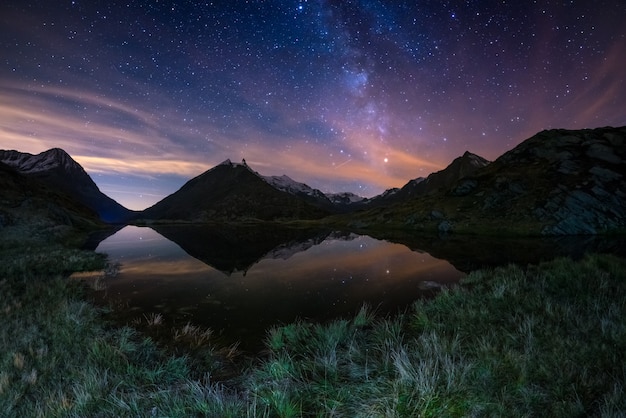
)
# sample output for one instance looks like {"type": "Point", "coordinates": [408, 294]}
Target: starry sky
{"type": "Point", "coordinates": [355, 95]}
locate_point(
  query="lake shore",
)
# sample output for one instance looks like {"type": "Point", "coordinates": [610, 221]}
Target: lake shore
{"type": "Point", "coordinates": [543, 339]}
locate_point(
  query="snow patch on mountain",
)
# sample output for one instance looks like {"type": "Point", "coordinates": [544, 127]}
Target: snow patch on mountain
{"type": "Point", "coordinates": [344, 198]}
{"type": "Point", "coordinates": [287, 184]}
{"type": "Point", "coordinates": [30, 164]}
{"type": "Point", "coordinates": [474, 160]}
{"type": "Point", "coordinates": [393, 190]}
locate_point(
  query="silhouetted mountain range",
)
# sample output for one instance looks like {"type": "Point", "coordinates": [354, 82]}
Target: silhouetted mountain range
{"type": "Point", "coordinates": [558, 182]}
{"type": "Point", "coordinates": [57, 170]}
{"type": "Point", "coordinates": [461, 167]}
{"type": "Point", "coordinates": [27, 202]}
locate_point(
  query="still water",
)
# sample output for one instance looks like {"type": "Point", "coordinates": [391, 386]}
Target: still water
{"type": "Point", "coordinates": [241, 281]}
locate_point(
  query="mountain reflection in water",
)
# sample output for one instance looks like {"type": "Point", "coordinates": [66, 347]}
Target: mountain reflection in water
{"type": "Point", "coordinates": [239, 281]}
{"type": "Point", "coordinates": [195, 275]}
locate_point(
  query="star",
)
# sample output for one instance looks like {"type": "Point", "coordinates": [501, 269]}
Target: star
{"type": "Point", "coordinates": [150, 90]}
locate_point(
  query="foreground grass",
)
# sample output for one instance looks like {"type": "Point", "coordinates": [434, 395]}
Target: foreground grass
{"type": "Point", "coordinates": [59, 359]}
{"type": "Point", "coordinates": [548, 341]}
{"type": "Point", "coordinates": [544, 341]}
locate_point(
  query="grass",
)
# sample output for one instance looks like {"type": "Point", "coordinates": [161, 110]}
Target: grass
{"type": "Point", "coordinates": [545, 340]}
{"type": "Point", "coordinates": [59, 358]}
{"type": "Point", "coordinates": [548, 340]}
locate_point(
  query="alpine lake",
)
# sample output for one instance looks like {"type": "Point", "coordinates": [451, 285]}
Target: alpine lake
{"type": "Point", "coordinates": [239, 281]}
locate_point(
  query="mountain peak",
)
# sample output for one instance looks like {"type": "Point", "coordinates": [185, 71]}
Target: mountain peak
{"type": "Point", "coordinates": [474, 161]}
{"type": "Point", "coordinates": [232, 191]}
{"type": "Point", "coordinates": [58, 170]}
{"type": "Point", "coordinates": [228, 163]}
{"type": "Point", "coordinates": [345, 198]}
{"type": "Point", "coordinates": [48, 160]}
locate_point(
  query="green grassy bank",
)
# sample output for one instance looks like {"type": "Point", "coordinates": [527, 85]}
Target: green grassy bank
{"type": "Point", "coordinates": [547, 340]}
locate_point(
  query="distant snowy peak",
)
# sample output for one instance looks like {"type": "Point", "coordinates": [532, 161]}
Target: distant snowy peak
{"type": "Point", "coordinates": [48, 160]}
{"type": "Point", "coordinates": [287, 184]}
{"type": "Point", "coordinates": [475, 160]}
{"type": "Point", "coordinates": [393, 190]}
{"type": "Point", "coordinates": [344, 198]}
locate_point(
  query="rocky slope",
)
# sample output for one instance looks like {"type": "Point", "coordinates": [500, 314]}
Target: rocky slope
{"type": "Point", "coordinates": [559, 182]}
{"type": "Point", "coordinates": [459, 168]}
{"type": "Point", "coordinates": [439, 181]}
{"type": "Point", "coordinates": [28, 206]}
{"type": "Point", "coordinates": [56, 169]}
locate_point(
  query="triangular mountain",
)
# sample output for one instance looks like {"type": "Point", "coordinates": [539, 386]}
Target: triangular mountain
{"type": "Point", "coordinates": [56, 169]}
{"type": "Point", "coordinates": [229, 192]}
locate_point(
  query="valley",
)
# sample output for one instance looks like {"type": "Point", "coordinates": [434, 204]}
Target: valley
{"type": "Point", "coordinates": [483, 288]}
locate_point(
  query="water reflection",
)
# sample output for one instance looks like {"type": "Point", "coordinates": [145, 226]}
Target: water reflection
{"type": "Point", "coordinates": [241, 281]}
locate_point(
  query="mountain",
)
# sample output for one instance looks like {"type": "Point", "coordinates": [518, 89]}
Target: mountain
{"type": "Point", "coordinates": [442, 180]}
{"type": "Point", "coordinates": [459, 168]}
{"type": "Point", "coordinates": [300, 190]}
{"type": "Point", "coordinates": [30, 207]}
{"type": "Point", "coordinates": [333, 202]}
{"type": "Point", "coordinates": [558, 182]}
{"type": "Point", "coordinates": [56, 169]}
{"type": "Point", "coordinates": [344, 198]}
{"type": "Point", "coordinates": [230, 192]}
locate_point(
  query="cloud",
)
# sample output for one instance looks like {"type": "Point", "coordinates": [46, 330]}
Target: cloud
{"type": "Point", "coordinates": [142, 166]}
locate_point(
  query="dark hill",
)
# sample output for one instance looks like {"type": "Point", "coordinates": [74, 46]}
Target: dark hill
{"type": "Point", "coordinates": [459, 168]}
{"type": "Point", "coordinates": [558, 182]}
{"type": "Point", "coordinates": [439, 181]}
{"type": "Point", "coordinates": [28, 204]}
{"type": "Point", "coordinates": [56, 169]}
{"type": "Point", "coordinates": [230, 192]}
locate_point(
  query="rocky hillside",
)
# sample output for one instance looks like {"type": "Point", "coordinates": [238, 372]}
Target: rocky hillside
{"type": "Point", "coordinates": [558, 182]}
{"type": "Point", "coordinates": [28, 207]}
{"type": "Point", "coordinates": [459, 168]}
{"type": "Point", "coordinates": [56, 169]}
{"type": "Point", "coordinates": [231, 192]}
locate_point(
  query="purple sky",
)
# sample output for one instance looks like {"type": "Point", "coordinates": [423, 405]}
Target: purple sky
{"type": "Point", "coordinates": [353, 96]}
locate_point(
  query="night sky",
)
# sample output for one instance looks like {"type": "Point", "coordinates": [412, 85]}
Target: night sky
{"type": "Point", "coordinates": [356, 96]}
